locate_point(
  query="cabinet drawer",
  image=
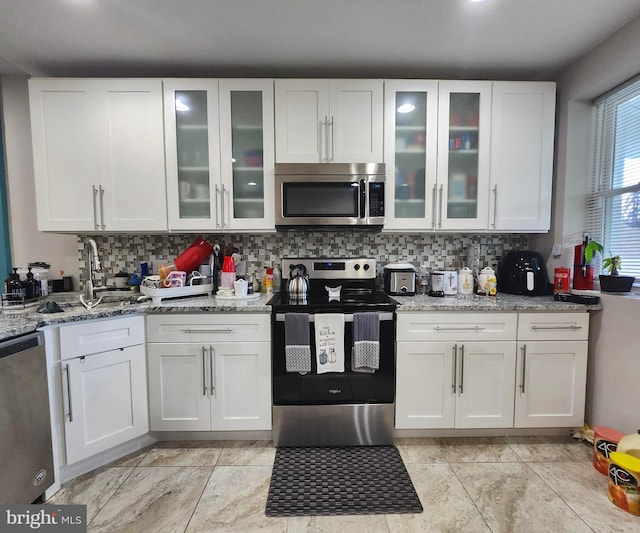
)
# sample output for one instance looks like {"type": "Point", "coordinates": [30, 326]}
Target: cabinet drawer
{"type": "Point", "coordinates": [219, 327]}
{"type": "Point", "coordinates": [97, 336]}
{"type": "Point", "coordinates": [553, 326]}
{"type": "Point", "coordinates": [456, 326]}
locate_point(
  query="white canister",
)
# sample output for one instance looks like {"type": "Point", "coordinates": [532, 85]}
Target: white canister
{"type": "Point", "coordinates": [450, 283]}
{"type": "Point", "coordinates": [487, 281]}
{"type": "Point", "coordinates": [465, 281]}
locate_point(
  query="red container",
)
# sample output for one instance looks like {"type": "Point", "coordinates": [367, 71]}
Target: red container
{"type": "Point", "coordinates": [605, 441]}
{"type": "Point", "coordinates": [583, 276]}
{"type": "Point", "coordinates": [194, 256]}
{"type": "Point", "coordinates": [561, 277]}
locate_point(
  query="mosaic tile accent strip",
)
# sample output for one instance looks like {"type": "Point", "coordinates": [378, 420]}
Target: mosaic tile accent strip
{"type": "Point", "coordinates": [434, 251]}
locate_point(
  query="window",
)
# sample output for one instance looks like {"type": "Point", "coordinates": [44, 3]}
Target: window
{"type": "Point", "coordinates": [5, 248]}
{"type": "Point", "coordinates": [614, 206]}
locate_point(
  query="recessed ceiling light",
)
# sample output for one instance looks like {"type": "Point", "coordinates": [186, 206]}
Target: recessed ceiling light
{"type": "Point", "coordinates": [406, 108]}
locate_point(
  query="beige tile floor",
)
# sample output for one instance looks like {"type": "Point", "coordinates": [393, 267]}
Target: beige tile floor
{"type": "Point", "coordinates": [518, 484]}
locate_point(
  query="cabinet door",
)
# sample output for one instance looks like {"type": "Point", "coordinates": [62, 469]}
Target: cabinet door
{"type": "Point", "coordinates": [241, 386]}
{"type": "Point", "coordinates": [247, 154]}
{"type": "Point", "coordinates": [522, 133]}
{"type": "Point", "coordinates": [132, 194]}
{"type": "Point", "coordinates": [464, 126]}
{"type": "Point", "coordinates": [192, 148]}
{"type": "Point", "coordinates": [301, 115]}
{"type": "Point", "coordinates": [65, 138]}
{"type": "Point", "coordinates": [551, 384]}
{"type": "Point", "coordinates": [178, 387]}
{"type": "Point", "coordinates": [410, 140]}
{"type": "Point", "coordinates": [106, 399]}
{"type": "Point", "coordinates": [356, 121]}
{"type": "Point", "coordinates": [486, 376]}
{"type": "Point", "coordinates": [425, 385]}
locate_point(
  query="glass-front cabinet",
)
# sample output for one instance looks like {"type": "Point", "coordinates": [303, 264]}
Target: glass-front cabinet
{"type": "Point", "coordinates": [219, 137]}
{"type": "Point", "coordinates": [411, 111]}
{"type": "Point", "coordinates": [464, 116]}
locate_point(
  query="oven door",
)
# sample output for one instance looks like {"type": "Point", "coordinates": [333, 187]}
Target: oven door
{"type": "Point", "coordinates": [335, 388]}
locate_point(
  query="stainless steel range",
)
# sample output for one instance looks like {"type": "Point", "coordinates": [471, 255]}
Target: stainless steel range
{"type": "Point", "coordinates": [332, 401]}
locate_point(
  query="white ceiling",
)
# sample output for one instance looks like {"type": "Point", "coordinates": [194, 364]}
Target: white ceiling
{"type": "Point", "coordinates": [500, 39]}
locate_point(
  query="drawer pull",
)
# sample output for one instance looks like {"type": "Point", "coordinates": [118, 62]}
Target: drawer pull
{"type": "Point", "coordinates": [572, 327]}
{"type": "Point", "coordinates": [455, 369]}
{"type": "Point", "coordinates": [524, 366]}
{"type": "Point", "coordinates": [204, 373]}
{"type": "Point", "coordinates": [212, 354]}
{"type": "Point", "coordinates": [468, 328]}
{"type": "Point", "coordinates": [462, 369]}
{"type": "Point", "coordinates": [66, 370]}
{"type": "Point", "coordinates": [195, 330]}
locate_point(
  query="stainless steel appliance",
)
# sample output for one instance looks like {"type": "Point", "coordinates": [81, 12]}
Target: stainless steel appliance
{"type": "Point", "coordinates": [329, 195]}
{"type": "Point", "coordinates": [523, 272]}
{"type": "Point", "coordinates": [26, 458]}
{"type": "Point", "coordinates": [335, 408]}
{"type": "Point", "coordinates": [400, 279]}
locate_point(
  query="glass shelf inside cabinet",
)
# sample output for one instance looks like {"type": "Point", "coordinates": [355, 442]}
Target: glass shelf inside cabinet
{"type": "Point", "coordinates": [410, 154]}
{"type": "Point", "coordinates": [247, 146]}
{"type": "Point", "coordinates": [462, 196]}
{"type": "Point", "coordinates": [192, 136]}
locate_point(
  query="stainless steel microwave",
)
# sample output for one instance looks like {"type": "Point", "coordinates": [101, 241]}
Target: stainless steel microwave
{"type": "Point", "coordinates": [329, 195]}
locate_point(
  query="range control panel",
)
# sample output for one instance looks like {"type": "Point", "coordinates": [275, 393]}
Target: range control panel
{"type": "Point", "coordinates": [331, 267]}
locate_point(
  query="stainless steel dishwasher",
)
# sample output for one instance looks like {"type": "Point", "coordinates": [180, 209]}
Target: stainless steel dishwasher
{"type": "Point", "coordinates": [26, 459]}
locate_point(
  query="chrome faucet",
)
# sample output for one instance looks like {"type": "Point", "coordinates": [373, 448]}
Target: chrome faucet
{"type": "Point", "coordinates": [92, 264]}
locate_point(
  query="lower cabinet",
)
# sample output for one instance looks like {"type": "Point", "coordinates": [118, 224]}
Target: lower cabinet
{"type": "Point", "coordinates": [473, 371]}
{"type": "Point", "coordinates": [104, 392]}
{"type": "Point", "coordinates": [214, 374]}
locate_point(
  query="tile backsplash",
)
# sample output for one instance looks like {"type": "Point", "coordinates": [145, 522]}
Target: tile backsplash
{"type": "Point", "coordinates": [125, 252]}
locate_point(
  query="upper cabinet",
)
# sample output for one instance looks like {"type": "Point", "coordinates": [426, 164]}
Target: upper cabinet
{"type": "Point", "coordinates": [522, 135]}
{"type": "Point", "coordinates": [468, 155]}
{"type": "Point", "coordinates": [329, 121]}
{"type": "Point", "coordinates": [98, 154]}
{"type": "Point", "coordinates": [219, 150]}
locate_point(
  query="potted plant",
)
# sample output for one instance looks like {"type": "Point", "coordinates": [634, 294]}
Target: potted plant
{"type": "Point", "coordinates": [613, 282]}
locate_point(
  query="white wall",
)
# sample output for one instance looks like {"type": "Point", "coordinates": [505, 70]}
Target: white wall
{"type": "Point", "coordinates": [27, 243]}
{"type": "Point", "coordinates": [613, 392]}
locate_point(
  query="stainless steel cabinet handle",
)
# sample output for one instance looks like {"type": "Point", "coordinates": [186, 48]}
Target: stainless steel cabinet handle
{"type": "Point", "coordinates": [102, 225]}
{"type": "Point", "coordinates": [320, 134]}
{"type": "Point", "coordinates": [95, 208]}
{"type": "Point", "coordinates": [433, 207]}
{"type": "Point", "coordinates": [204, 373]}
{"type": "Point", "coordinates": [203, 330]}
{"type": "Point", "coordinates": [572, 327]}
{"type": "Point", "coordinates": [495, 205]}
{"type": "Point", "coordinates": [66, 369]}
{"type": "Point", "coordinates": [455, 368]}
{"type": "Point", "coordinates": [462, 369]}
{"type": "Point", "coordinates": [464, 328]}
{"type": "Point", "coordinates": [225, 192]}
{"type": "Point", "coordinates": [440, 206]}
{"type": "Point", "coordinates": [218, 202]}
{"type": "Point", "coordinates": [326, 140]}
{"type": "Point", "coordinates": [331, 143]}
{"type": "Point", "coordinates": [523, 348]}
{"type": "Point", "coordinates": [211, 381]}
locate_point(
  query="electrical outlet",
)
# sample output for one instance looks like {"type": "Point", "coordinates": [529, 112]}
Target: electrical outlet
{"type": "Point", "coordinates": [556, 251]}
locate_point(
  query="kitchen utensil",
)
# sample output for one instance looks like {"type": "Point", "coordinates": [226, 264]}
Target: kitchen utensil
{"type": "Point", "coordinates": [298, 285]}
{"type": "Point", "coordinates": [227, 279]}
{"type": "Point", "coordinates": [333, 293]}
{"type": "Point", "coordinates": [228, 264]}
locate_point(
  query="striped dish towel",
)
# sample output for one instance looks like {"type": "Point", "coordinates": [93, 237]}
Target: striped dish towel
{"type": "Point", "coordinates": [366, 342]}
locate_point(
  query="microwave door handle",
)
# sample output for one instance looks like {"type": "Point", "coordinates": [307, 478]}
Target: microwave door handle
{"type": "Point", "coordinates": [363, 198]}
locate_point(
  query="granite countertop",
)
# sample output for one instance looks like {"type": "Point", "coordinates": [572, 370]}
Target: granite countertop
{"type": "Point", "coordinates": [15, 322]}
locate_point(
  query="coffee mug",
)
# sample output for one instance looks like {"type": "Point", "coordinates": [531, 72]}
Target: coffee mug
{"type": "Point", "coordinates": [177, 278]}
{"type": "Point", "coordinates": [240, 287]}
{"type": "Point", "coordinates": [152, 282]}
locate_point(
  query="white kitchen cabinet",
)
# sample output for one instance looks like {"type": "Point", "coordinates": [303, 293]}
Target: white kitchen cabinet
{"type": "Point", "coordinates": [98, 152]}
{"type": "Point", "coordinates": [464, 130]}
{"type": "Point", "coordinates": [220, 150]}
{"type": "Point", "coordinates": [201, 378]}
{"type": "Point", "coordinates": [410, 154]}
{"type": "Point", "coordinates": [104, 386]}
{"type": "Point", "coordinates": [455, 370]}
{"type": "Point", "coordinates": [552, 369]}
{"type": "Point", "coordinates": [329, 121]}
{"type": "Point", "coordinates": [522, 136]}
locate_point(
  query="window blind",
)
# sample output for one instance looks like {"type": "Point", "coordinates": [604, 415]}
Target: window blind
{"type": "Point", "coordinates": [613, 207]}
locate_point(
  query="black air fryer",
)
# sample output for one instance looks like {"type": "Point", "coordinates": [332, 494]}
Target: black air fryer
{"type": "Point", "coordinates": [523, 272]}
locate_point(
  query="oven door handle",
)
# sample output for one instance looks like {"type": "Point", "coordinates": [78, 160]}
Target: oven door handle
{"type": "Point", "coordinates": [363, 198]}
{"type": "Point", "coordinates": [347, 318]}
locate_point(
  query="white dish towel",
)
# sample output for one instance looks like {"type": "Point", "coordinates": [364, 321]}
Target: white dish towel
{"type": "Point", "coordinates": [329, 342]}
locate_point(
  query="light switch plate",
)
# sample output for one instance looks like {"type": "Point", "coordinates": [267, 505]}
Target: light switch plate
{"type": "Point", "coordinates": [556, 251]}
